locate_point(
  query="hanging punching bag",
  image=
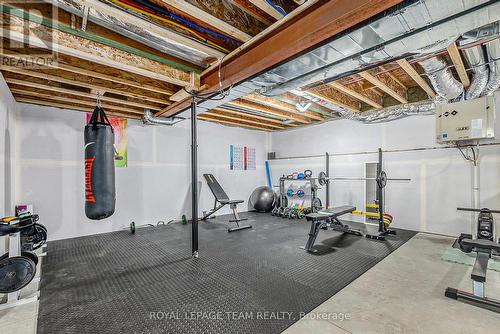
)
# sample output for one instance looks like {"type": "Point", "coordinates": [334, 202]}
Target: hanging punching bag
{"type": "Point", "coordinates": [99, 166]}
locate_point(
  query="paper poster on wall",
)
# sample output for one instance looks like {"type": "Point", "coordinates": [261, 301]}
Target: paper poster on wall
{"type": "Point", "coordinates": [241, 158]}
{"type": "Point", "coordinates": [121, 141]}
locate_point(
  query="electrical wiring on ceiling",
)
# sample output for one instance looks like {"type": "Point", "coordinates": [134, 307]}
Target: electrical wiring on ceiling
{"type": "Point", "coordinates": [277, 8]}
{"type": "Point", "coordinates": [172, 15]}
{"type": "Point", "coordinates": [150, 12]}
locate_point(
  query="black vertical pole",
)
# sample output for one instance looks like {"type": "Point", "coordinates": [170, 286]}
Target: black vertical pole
{"type": "Point", "coordinates": [194, 180]}
{"type": "Point", "coordinates": [380, 195]}
{"type": "Point", "coordinates": [327, 166]}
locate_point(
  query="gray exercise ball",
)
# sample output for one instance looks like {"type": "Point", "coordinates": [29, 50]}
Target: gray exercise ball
{"type": "Point", "coordinates": [263, 199]}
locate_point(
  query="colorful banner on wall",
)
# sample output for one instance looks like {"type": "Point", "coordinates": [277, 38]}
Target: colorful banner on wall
{"type": "Point", "coordinates": [121, 141]}
{"type": "Point", "coordinates": [241, 158]}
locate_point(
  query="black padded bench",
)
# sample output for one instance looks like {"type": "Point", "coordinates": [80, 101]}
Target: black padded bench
{"type": "Point", "coordinates": [328, 219]}
{"type": "Point", "coordinates": [221, 199]}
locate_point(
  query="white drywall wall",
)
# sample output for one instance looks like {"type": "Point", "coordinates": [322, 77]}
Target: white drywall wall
{"type": "Point", "coordinates": [155, 186]}
{"type": "Point", "coordinates": [7, 149]}
{"type": "Point", "coordinates": [440, 179]}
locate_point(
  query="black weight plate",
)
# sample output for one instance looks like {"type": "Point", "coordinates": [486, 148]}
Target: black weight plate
{"type": "Point", "coordinates": [28, 254]}
{"type": "Point", "coordinates": [316, 204]}
{"type": "Point", "coordinates": [132, 227]}
{"type": "Point", "coordinates": [382, 179]}
{"type": "Point", "coordinates": [15, 273]}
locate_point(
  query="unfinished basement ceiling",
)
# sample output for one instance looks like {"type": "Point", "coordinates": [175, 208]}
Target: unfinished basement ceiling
{"type": "Point", "coordinates": [142, 54]}
{"type": "Point", "coordinates": [375, 73]}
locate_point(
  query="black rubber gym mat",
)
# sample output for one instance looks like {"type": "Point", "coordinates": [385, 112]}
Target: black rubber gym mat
{"type": "Point", "coordinates": [242, 282]}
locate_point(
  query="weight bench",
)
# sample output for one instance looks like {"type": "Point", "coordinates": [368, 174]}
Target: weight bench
{"type": "Point", "coordinates": [328, 219]}
{"type": "Point", "coordinates": [221, 199]}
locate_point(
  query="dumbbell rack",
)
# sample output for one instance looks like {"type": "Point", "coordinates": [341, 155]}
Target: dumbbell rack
{"type": "Point", "coordinates": [14, 298]}
{"type": "Point", "coordinates": [283, 193]}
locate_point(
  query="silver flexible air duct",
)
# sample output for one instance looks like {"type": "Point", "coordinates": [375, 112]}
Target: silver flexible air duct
{"type": "Point", "coordinates": [443, 81]}
{"type": "Point", "coordinates": [493, 49]}
{"type": "Point", "coordinates": [390, 113]}
{"type": "Point", "coordinates": [480, 72]}
{"type": "Point", "coordinates": [149, 119]}
{"type": "Point", "coordinates": [426, 107]}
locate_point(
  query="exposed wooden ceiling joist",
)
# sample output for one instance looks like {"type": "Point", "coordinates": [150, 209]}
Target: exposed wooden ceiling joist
{"type": "Point", "coordinates": [305, 28]}
{"type": "Point", "coordinates": [253, 116]}
{"type": "Point", "coordinates": [73, 107]}
{"type": "Point", "coordinates": [49, 88]}
{"type": "Point", "coordinates": [273, 103]}
{"type": "Point", "coordinates": [72, 45]}
{"type": "Point", "coordinates": [457, 60]}
{"type": "Point", "coordinates": [98, 75]}
{"type": "Point", "coordinates": [80, 84]}
{"type": "Point", "coordinates": [271, 111]}
{"type": "Point", "coordinates": [330, 94]}
{"type": "Point", "coordinates": [366, 96]}
{"type": "Point", "coordinates": [65, 99]}
{"type": "Point", "coordinates": [385, 83]}
{"type": "Point", "coordinates": [212, 118]}
{"type": "Point", "coordinates": [249, 120]}
{"type": "Point", "coordinates": [266, 7]}
{"type": "Point", "coordinates": [410, 70]}
{"type": "Point", "coordinates": [254, 11]}
{"type": "Point", "coordinates": [194, 11]}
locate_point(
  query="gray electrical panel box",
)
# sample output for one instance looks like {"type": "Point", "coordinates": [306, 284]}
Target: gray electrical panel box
{"type": "Point", "coordinates": [466, 120]}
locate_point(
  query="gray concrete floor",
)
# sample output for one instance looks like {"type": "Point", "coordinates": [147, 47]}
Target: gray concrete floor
{"type": "Point", "coordinates": [404, 293]}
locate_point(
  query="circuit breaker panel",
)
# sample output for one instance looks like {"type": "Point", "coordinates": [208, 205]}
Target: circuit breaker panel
{"type": "Point", "coordinates": [466, 120]}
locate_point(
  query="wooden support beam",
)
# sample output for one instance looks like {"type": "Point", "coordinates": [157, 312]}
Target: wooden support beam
{"type": "Point", "coordinates": [306, 28]}
{"type": "Point", "coordinates": [213, 118]}
{"type": "Point", "coordinates": [330, 94]}
{"type": "Point", "coordinates": [410, 70]}
{"type": "Point", "coordinates": [203, 16]}
{"type": "Point", "coordinates": [79, 83]}
{"type": "Point", "coordinates": [246, 119]}
{"type": "Point", "coordinates": [457, 60]}
{"type": "Point", "coordinates": [149, 26]}
{"type": "Point", "coordinates": [92, 74]}
{"type": "Point", "coordinates": [69, 44]}
{"type": "Point", "coordinates": [266, 7]}
{"type": "Point", "coordinates": [78, 93]}
{"type": "Point", "coordinates": [257, 117]}
{"type": "Point", "coordinates": [365, 96]}
{"type": "Point", "coordinates": [273, 103]}
{"type": "Point", "coordinates": [386, 84]}
{"type": "Point", "coordinates": [271, 111]}
{"type": "Point", "coordinates": [69, 100]}
{"type": "Point", "coordinates": [73, 107]}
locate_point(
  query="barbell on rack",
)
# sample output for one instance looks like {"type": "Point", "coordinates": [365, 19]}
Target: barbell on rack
{"type": "Point", "coordinates": [381, 179]}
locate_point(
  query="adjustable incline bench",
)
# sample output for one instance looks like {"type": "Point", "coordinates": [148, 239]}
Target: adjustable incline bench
{"type": "Point", "coordinates": [221, 199]}
{"type": "Point", "coordinates": [328, 219]}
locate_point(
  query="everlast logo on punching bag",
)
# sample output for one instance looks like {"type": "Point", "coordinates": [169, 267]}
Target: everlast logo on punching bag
{"type": "Point", "coordinates": [89, 194]}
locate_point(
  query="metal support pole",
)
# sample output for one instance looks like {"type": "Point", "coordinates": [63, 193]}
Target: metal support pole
{"type": "Point", "coordinates": [327, 167]}
{"type": "Point", "coordinates": [476, 199]}
{"type": "Point", "coordinates": [194, 181]}
{"type": "Point", "coordinates": [380, 195]}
